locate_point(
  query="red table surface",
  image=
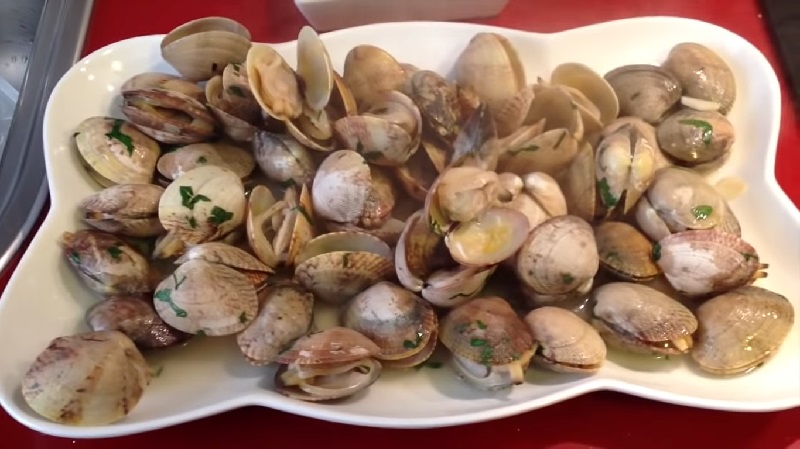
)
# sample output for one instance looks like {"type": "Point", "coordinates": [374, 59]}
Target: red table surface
{"type": "Point", "coordinates": [599, 420]}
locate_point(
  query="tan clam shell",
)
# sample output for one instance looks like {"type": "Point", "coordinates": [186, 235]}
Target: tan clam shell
{"type": "Point", "coordinates": [490, 238]}
{"type": "Point", "coordinates": [201, 48]}
{"type": "Point", "coordinates": [448, 288]}
{"type": "Point", "coordinates": [230, 256]}
{"type": "Point", "coordinates": [206, 298]}
{"type": "Point", "coordinates": [125, 209]}
{"type": "Point", "coordinates": [314, 68]}
{"type": "Point", "coordinates": [490, 66]}
{"type": "Point", "coordinates": [703, 73]}
{"type": "Point", "coordinates": [233, 120]}
{"type": "Point", "coordinates": [414, 252]}
{"type": "Point", "coordinates": [341, 186]}
{"type": "Point", "coordinates": [558, 256]}
{"type": "Point", "coordinates": [437, 102]}
{"type": "Point", "coordinates": [578, 184]}
{"type": "Point", "coordinates": [644, 90]}
{"type": "Point", "coordinates": [699, 263]}
{"type": "Point", "coordinates": [261, 209]}
{"type": "Point", "coordinates": [168, 116]}
{"type": "Point", "coordinates": [549, 152]}
{"type": "Point", "coordinates": [369, 72]}
{"type": "Point", "coordinates": [285, 315]}
{"type": "Point", "coordinates": [389, 231]}
{"type": "Point", "coordinates": [106, 263]}
{"type": "Point", "coordinates": [566, 343]}
{"type": "Point", "coordinates": [336, 382]}
{"type": "Point", "coordinates": [486, 330]}
{"type": "Point", "coordinates": [339, 265]}
{"type": "Point", "coordinates": [625, 252]}
{"type": "Point", "coordinates": [547, 193]}
{"type": "Point", "coordinates": [740, 330]}
{"type": "Point", "coordinates": [89, 379]}
{"type": "Point", "coordinates": [203, 204]}
{"type": "Point", "coordinates": [136, 317]}
{"type": "Point", "coordinates": [638, 318]}
{"type": "Point", "coordinates": [625, 168]}
{"type": "Point", "coordinates": [112, 161]}
{"type": "Point", "coordinates": [514, 112]}
{"type": "Point", "coordinates": [283, 159]}
{"type": "Point", "coordinates": [329, 346]}
{"type": "Point", "coordinates": [398, 321]}
{"type": "Point", "coordinates": [273, 83]}
{"type": "Point", "coordinates": [233, 157]}
{"type": "Point", "coordinates": [164, 81]}
{"type": "Point", "coordinates": [591, 84]}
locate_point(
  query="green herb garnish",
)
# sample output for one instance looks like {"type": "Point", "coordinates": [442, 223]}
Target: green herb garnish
{"type": "Point", "coordinates": [75, 257]}
{"type": "Point", "coordinates": [708, 130]}
{"type": "Point", "coordinates": [158, 371]}
{"type": "Point", "coordinates": [202, 160]}
{"type": "Point", "coordinates": [236, 90]}
{"type": "Point", "coordinates": [121, 137]}
{"type": "Point", "coordinates": [219, 215]}
{"type": "Point", "coordinates": [605, 193]}
{"type": "Point", "coordinates": [702, 212]}
{"type": "Point", "coordinates": [243, 318]}
{"type": "Point", "coordinates": [302, 210]}
{"type": "Point", "coordinates": [434, 364]}
{"type": "Point", "coordinates": [656, 251]}
{"type": "Point", "coordinates": [165, 295]}
{"type": "Point", "coordinates": [529, 148]}
{"type": "Point", "coordinates": [567, 278]}
{"type": "Point", "coordinates": [408, 344]}
{"type": "Point", "coordinates": [486, 355]}
{"type": "Point", "coordinates": [189, 199]}
{"type": "Point", "coordinates": [481, 324]}
{"type": "Point", "coordinates": [475, 342]}
{"type": "Point", "coordinates": [114, 252]}
{"type": "Point", "coordinates": [201, 333]}
{"type": "Point", "coordinates": [286, 184]}
{"type": "Point", "coordinates": [192, 222]}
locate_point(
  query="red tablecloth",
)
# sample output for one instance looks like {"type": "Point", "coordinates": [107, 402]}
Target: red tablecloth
{"type": "Point", "coordinates": [601, 420]}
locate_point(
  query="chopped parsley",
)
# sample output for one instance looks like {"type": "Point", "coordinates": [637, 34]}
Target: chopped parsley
{"type": "Point", "coordinates": [605, 193]}
{"type": "Point", "coordinates": [165, 295]}
{"type": "Point", "coordinates": [189, 199]}
{"type": "Point", "coordinates": [481, 324]}
{"type": "Point", "coordinates": [302, 210]}
{"type": "Point", "coordinates": [114, 252]}
{"type": "Point", "coordinates": [219, 215]}
{"type": "Point", "coordinates": [656, 251]}
{"type": "Point", "coordinates": [475, 342]}
{"type": "Point", "coordinates": [117, 134]}
{"type": "Point", "coordinates": [702, 212]}
{"type": "Point", "coordinates": [243, 318]}
{"type": "Point", "coordinates": [708, 130]}
{"type": "Point", "coordinates": [202, 160]}
{"type": "Point", "coordinates": [201, 333]}
{"type": "Point", "coordinates": [75, 257]}
{"type": "Point", "coordinates": [408, 344]}
{"type": "Point", "coordinates": [567, 278]}
{"type": "Point", "coordinates": [192, 222]}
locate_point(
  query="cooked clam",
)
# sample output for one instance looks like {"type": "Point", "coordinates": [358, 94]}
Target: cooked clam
{"type": "Point", "coordinates": [89, 379]}
{"type": "Point", "coordinates": [625, 252]}
{"type": "Point", "coordinates": [703, 74]}
{"type": "Point", "coordinates": [645, 91]}
{"type": "Point", "coordinates": [566, 343]}
{"type": "Point", "coordinates": [126, 209]}
{"type": "Point", "coordinates": [283, 159]}
{"type": "Point", "coordinates": [369, 72]}
{"type": "Point", "coordinates": [181, 160]}
{"type": "Point", "coordinates": [278, 230]}
{"type": "Point", "coordinates": [168, 116]}
{"type": "Point", "coordinates": [696, 137]}
{"type": "Point", "coordinates": [136, 317]}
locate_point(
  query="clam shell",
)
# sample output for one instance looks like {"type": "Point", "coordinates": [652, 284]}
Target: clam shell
{"type": "Point", "coordinates": [273, 83]}
{"type": "Point", "coordinates": [148, 80]}
{"type": "Point", "coordinates": [699, 263]}
{"type": "Point", "coordinates": [230, 256]}
{"type": "Point", "coordinates": [168, 116]}
{"type": "Point", "coordinates": [186, 158]}
{"type": "Point", "coordinates": [398, 321]}
{"type": "Point", "coordinates": [330, 346]}
{"type": "Point", "coordinates": [558, 256]}
{"type": "Point", "coordinates": [89, 379]}
{"type": "Point", "coordinates": [685, 200]}
{"type": "Point", "coordinates": [695, 138]}
{"type": "Point", "coordinates": [703, 74]}
{"type": "Point", "coordinates": [203, 204]}
{"type": "Point", "coordinates": [578, 184]}
{"type": "Point", "coordinates": [414, 252]}
{"type": "Point", "coordinates": [115, 152]}
{"type": "Point", "coordinates": [490, 238]}
{"type": "Point", "coordinates": [283, 159]}
{"type": "Point", "coordinates": [285, 315]}
{"type": "Point", "coordinates": [437, 102]}
{"type": "Point", "coordinates": [549, 152]}
{"type": "Point", "coordinates": [135, 316]}
{"type": "Point", "coordinates": [201, 48]}
{"type": "Point", "coordinates": [453, 287]}
{"type": "Point", "coordinates": [314, 68]}
{"type": "Point", "coordinates": [644, 90]}
{"type": "Point", "coordinates": [625, 252]}
{"type": "Point", "coordinates": [343, 383]}
{"type": "Point", "coordinates": [126, 209]}
{"type": "Point", "coordinates": [486, 330]}
{"type": "Point", "coordinates": [337, 276]}
{"type": "Point", "coordinates": [566, 343]}
{"type": "Point", "coordinates": [106, 263]}
{"type": "Point", "coordinates": [206, 298]}
{"type": "Point", "coordinates": [370, 71]}
{"type": "Point", "coordinates": [639, 318]}
{"type": "Point", "coordinates": [341, 186]}
{"type": "Point", "coordinates": [740, 330]}
{"type": "Point", "coordinates": [591, 84]}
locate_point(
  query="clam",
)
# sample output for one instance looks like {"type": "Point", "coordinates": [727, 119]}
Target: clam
{"type": "Point", "coordinates": [437, 102]}
{"type": "Point", "coordinates": [490, 67]}
{"type": "Point", "coordinates": [206, 298]}
{"type": "Point", "coordinates": [386, 133]}
{"type": "Point", "coordinates": [273, 83]}
{"type": "Point", "coordinates": [558, 256]}
{"type": "Point", "coordinates": [136, 317]}
{"type": "Point", "coordinates": [203, 204]}
{"type": "Point", "coordinates": [348, 190]}
{"type": "Point", "coordinates": [647, 131]}
{"type": "Point", "coordinates": [283, 159]}
{"type": "Point", "coordinates": [703, 74]}
{"type": "Point", "coordinates": [114, 152]}
{"type": "Point", "coordinates": [625, 166]}
{"type": "Point", "coordinates": [596, 88]}
{"type": "Point", "coordinates": [89, 379]}
{"type": "Point", "coordinates": [450, 287]}
{"type": "Point", "coordinates": [513, 113]}
{"type": "Point", "coordinates": [699, 263]}
{"type": "Point", "coordinates": [166, 81]}
{"type": "Point", "coordinates": [625, 252]}
{"type": "Point", "coordinates": [126, 209]}
{"type": "Point", "coordinates": [201, 48]}
{"type": "Point", "coordinates": [168, 116]}
{"type": "Point", "coordinates": [645, 91]}
{"type": "Point", "coordinates": [105, 263]}
{"type": "Point", "coordinates": [414, 256]}
{"type": "Point", "coordinates": [476, 144]}
{"type": "Point", "coordinates": [232, 108]}
{"type": "Point", "coordinates": [369, 72]}
{"type": "Point", "coordinates": [284, 316]}
{"type": "Point", "coordinates": [565, 342]}
{"type": "Point", "coordinates": [331, 364]}
{"type": "Point", "coordinates": [339, 265]}
{"type": "Point", "coordinates": [493, 236]}
{"type": "Point", "coordinates": [579, 186]}
{"type": "Point", "coordinates": [490, 345]}
{"type": "Point", "coordinates": [186, 158]}
{"type": "Point", "coordinates": [460, 194]}
{"type": "Point", "coordinates": [419, 172]}
{"type": "Point", "coordinates": [314, 69]}
{"type": "Point", "coordinates": [695, 137]}
{"type": "Point", "coordinates": [540, 200]}
{"type": "Point", "coordinates": [640, 319]}
{"type": "Point", "coordinates": [740, 330]}
{"type": "Point", "coordinates": [229, 256]}
{"type": "Point", "coordinates": [679, 199]}
{"type": "Point", "coordinates": [278, 230]}
{"type": "Point", "coordinates": [403, 325]}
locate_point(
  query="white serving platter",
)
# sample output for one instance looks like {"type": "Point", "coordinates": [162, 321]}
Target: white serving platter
{"type": "Point", "coordinates": [44, 299]}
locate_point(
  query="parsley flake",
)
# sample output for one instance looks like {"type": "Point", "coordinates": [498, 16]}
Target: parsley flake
{"type": "Point", "coordinates": [705, 127]}
{"type": "Point", "coordinates": [121, 137]}
{"type": "Point", "coordinates": [656, 251]}
{"type": "Point", "coordinates": [702, 212]}
{"type": "Point", "coordinates": [219, 215]}
{"type": "Point", "coordinates": [605, 193]}
{"type": "Point", "coordinates": [165, 295]}
{"type": "Point", "coordinates": [114, 252]}
{"type": "Point", "coordinates": [189, 199]}
{"type": "Point", "coordinates": [567, 278]}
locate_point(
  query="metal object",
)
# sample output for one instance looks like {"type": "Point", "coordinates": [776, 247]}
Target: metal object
{"type": "Point", "coordinates": [39, 41]}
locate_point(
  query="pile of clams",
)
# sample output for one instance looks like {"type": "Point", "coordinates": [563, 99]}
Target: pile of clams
{"type": "Point", "coordinates": [241, 196]}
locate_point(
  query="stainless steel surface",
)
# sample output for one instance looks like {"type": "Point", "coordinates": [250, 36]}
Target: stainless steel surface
{"type": "Point", "coordinates": [39, 41]}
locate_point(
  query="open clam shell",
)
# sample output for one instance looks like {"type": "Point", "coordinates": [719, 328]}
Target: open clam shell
{"type": "Point", "coordinates": [273, 83]}
{"type": "Point", "coordinates": [591, 84]}
{"type": "Point", "coordinates": [369, 72]}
